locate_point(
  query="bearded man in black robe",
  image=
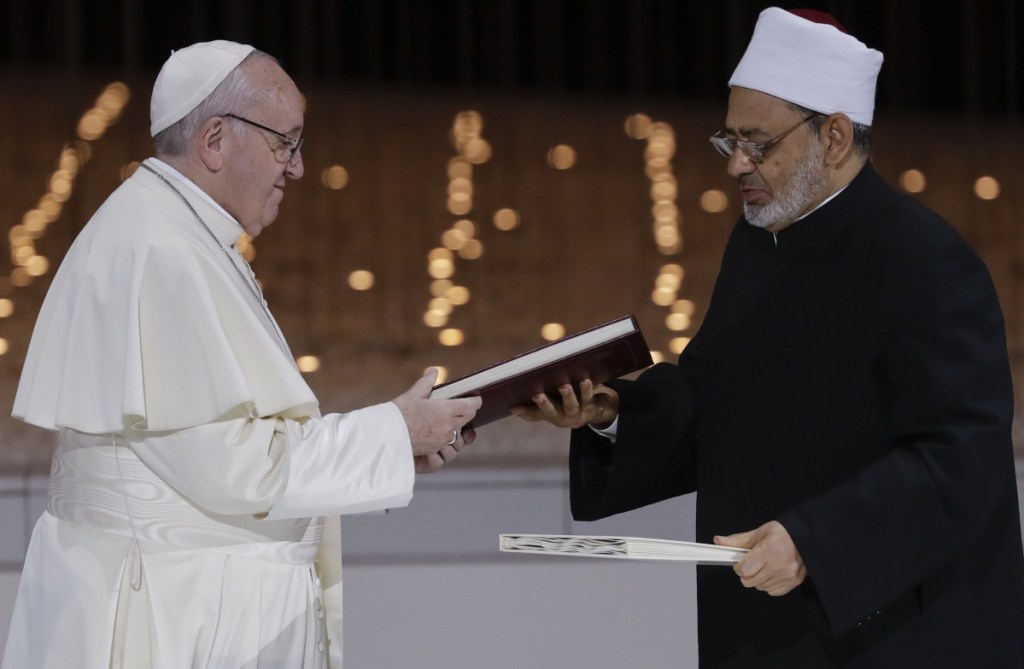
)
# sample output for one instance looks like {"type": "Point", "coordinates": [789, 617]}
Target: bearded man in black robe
{"type": "Point", "coordinates": [844, 411]}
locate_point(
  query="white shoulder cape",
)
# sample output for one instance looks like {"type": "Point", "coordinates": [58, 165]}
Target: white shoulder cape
{"type": "Point", "coordinates": [148, 325]}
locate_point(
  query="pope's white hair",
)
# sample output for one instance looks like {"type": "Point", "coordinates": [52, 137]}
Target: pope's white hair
{"type": "Point", "coordinates": [233, 95]}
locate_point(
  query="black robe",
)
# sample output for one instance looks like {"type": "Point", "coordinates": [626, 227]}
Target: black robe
{"type": "Point", "coordinates": [851, 381]}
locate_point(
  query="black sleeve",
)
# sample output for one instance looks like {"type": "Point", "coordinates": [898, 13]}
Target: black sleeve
{"type": "Point", "coordinates": [652, 458]}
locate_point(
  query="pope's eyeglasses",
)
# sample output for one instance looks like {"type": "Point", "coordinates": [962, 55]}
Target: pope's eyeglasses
{"type": "Point", "coordinates": [285, 150]}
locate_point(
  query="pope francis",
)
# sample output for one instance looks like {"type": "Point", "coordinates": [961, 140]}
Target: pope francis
{"type": "Point", "coordinates": [195, 487]}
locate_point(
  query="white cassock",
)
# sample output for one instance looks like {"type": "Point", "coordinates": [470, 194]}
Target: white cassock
{"type": "Point", "coordinates": [193, 472]}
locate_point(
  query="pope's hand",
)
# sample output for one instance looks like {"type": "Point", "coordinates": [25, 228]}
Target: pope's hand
{"type": "Point", "coordinates": [595, 406]}
{"type": "Point", "coordinates": [773, 564]}
{"type": "Point", "coordinates": [436, 427]}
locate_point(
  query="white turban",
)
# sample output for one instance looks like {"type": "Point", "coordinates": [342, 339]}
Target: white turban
{"type": "Point", "coordinates": [814, 65]}
{"type": "Point", "coordinates": [188, 77]}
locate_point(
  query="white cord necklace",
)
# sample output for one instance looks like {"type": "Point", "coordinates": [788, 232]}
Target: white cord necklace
{"type": "Point", "coordinates": [248, 284]}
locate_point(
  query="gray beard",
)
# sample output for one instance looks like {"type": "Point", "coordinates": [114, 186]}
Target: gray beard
{"type": "Point", "coordinates": [806, 183]}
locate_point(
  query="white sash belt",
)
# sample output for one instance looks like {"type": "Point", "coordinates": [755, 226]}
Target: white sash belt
{"type": "Point", "coordinates": [97, 481]}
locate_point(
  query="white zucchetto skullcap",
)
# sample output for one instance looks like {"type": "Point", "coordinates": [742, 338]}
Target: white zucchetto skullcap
{"type": "Point", "coordinates": [811, 62]}
{"type": "Point", "coordinates": [188, 77]}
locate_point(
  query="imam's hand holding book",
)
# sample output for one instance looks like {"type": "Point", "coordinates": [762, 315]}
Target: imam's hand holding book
{"type": "Point", "coordinates": [600, 353]}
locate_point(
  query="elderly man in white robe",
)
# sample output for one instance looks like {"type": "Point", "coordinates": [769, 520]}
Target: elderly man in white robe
{"type": "Point", "coordinates": [195, 488]}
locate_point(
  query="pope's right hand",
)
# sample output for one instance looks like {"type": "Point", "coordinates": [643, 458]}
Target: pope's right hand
{"type": "Point", "coordinates": [436, 427]}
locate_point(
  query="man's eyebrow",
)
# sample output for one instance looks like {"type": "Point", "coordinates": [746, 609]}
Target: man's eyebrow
{"type": "Point", "coordinates": [745, 132]}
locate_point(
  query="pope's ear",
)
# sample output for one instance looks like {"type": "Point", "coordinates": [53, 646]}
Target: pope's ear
{"type": "Point", "coordinates": [211, 143]}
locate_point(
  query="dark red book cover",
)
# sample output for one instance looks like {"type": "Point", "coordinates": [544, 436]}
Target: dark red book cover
{"type": "Point", "coordinates": [599, 353]}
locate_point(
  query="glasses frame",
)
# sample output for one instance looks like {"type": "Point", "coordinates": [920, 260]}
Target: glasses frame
{"type": "Point", "coordinates": [291, 144]}
{"type": "Point", "coordinates": [756, 151]}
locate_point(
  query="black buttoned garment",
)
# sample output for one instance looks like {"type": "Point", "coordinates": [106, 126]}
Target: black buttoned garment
{"type": "Point", "coordinates": [850, 380]}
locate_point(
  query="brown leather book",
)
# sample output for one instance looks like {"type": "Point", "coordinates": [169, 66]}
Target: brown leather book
{"type": "Point", "coordinates": [599, 353]}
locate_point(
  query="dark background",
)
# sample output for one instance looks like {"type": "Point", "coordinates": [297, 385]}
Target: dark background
{"type": "Point", "coordinates": [959, 56]}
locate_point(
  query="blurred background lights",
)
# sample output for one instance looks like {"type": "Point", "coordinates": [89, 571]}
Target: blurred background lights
{"type": "Point", "coordinates": [37, 265]}
{"type": "Point", "coordinates": [23, 252]}
{"type": "Point", "coordinates": [471, 249]}
{"type": "Point", "coordinates": [467, 125]}
{"type": "Point", "coordinates": [28, 263]}
{"type": "Point", "coordinates": [69, 161]}
{"type": "Point", "coordinates": [552, 331]}
{"type": "Point", "coordinates": [678, 344]}
{"type": "Point", "coordinates": [308, 364]}
{"type": "Point", "coordinates": [440, 287]}
{"type": "Point", "coordinates": [83, 149]}
{"type": "Point", "coordinates": [562, 157]}
{"type": "Point", "coordinates": [49, 207]}
{"type": "Point", "coordinates": [664, 189]}
{"type": "Point", "coordinates": [459, 206]}
{"type": "Point", "coordinates": [668, 281]}
{"type": "Point", "coordinates": [672, 269]}
{"type": "Point", "coordinates": [17, 235]}
{"type": "Point", "coordinates": [913, 181]}
{"type": "Point", "coordinates": [435, 319]}
{"type": "Point", "coordinates": [667, 238]}
{"type": "Point", "coordinates": [128, 169]}
{"type": "Point", "coordinates": [460, 188]}
{"type": "Point", "coordinates": [440, 305]}
{"type": "Point", "coordinates": [451, 337]}
{"type": "Point", "coordinates": [361, 279]}
{"type": "Point", "coordinates": [658, 153]}
{"type": "Point", "coordinates": [986, 188]}
{"type": "Point", "coordinates": [453, 239]}
{"type": "Point", "coordinates": [440, 263]}
{"type": "Point", "coordinates": [334, 177]}
{"type": "Point", "coordinates": [477, 150]}
{"type": "Point", "coordinates": [661, 139]}
{"type": "Point", "coordinates": [659, 149]}
{"type": "Point", "coordinates": [685, 307]}
{"type": "Point", "coordinates": [714, 201]}
{"type": "Point", "coordinates": [677, 322]}
{"type": "Point", "coordinates": [458, 295]}
{"type": "Point", "coordinates": [113, 99]}
{"type": "Point", "coordinates": [106, 111]}
{"type": "Point", "coordinates": [638, 126]}
{"type": "Point", "coordinates": [246, 247]}
{"type": "Point", "coordinates": [442, 373]}
{"type": "Point", "coordinates": [459, 168]}
{"type": "Point", "coordinates": [466, 136]}
{"type": "Point", "coordinates": [441, 269]}
{"type": "Point", "coordinates": [91, 126]}
{"type": "Point", "coordinates": [506, 219]}
{"type": "Point", "coordinates": [60, 184]}
{"type": "Point", "coordinates": [466, 227]}
{"type": "Point", "coordinates": [663, 296]}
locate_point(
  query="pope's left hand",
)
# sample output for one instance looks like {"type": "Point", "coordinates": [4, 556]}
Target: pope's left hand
{"type": "Point", "coordinates": [773, 564]}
